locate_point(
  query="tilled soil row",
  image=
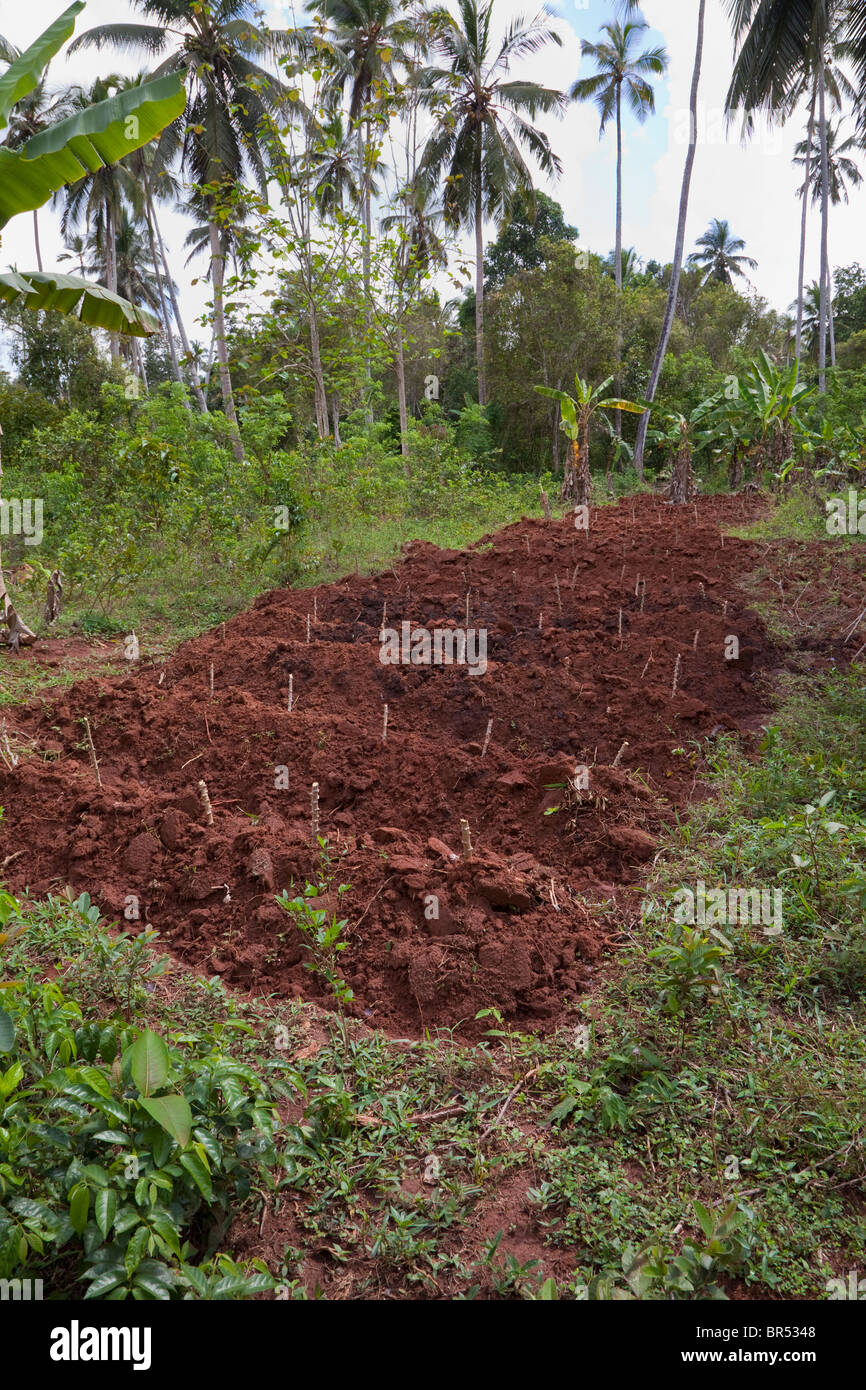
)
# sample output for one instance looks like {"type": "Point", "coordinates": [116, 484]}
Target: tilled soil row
{"type": "Point", "coordinates": [591, 751]}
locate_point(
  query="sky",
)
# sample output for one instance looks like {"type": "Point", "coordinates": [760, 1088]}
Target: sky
{"type": "Point", "coordinates": [753, 186]}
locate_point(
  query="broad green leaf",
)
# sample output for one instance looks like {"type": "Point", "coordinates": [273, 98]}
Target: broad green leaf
{"type": "Point", "coordinates": [199, 1174]}
{"type": "Point", "coordinates": [79, 1207]}
{"type": "Point", "coordinates": [704, 1217]}
{"type": "Point", "coordinates": [103, 133]}
{"type": "Point", "coordinates": [105, 1209]}
{"type": "Point", "coordinates": [104, 1283]}
{"type": "Point", "coordinates": [149, 1063]}
{"type": "Point", "coordinates": [25, 72]}
{"type": "Point", "coordinates": [173, 1114]}
{"type": "Point", "coordinates": [69, 294]}
{"type": "Point", "coordinates": [7, 1032]}
{"type": "Point", "coordinates": [631, 406]}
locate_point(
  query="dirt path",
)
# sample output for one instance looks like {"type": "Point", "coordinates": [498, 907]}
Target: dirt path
{"type": "Point", "coordinates": [571, 677]}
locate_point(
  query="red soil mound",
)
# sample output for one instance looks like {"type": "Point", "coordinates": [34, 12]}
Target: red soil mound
{"type": "Point", "coordinates": [512, 929]}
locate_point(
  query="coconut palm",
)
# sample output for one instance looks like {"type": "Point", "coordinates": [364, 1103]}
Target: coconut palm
{"type": "Point", "coordinates": [97, 200]}
{"type": "Point", "coordinates": [332, 167]}
{"type": "Point", "coordinates": [220, 50]}
{"type": "Point", "coordinates": [629, 265]}
{"type": "Point", "coordinates": [780, 46]}
{"type": "Point", "coordinates": [622, 72]}
{"type": "Point", "coordinates": [477, 145]}
{"type": "Point", "coordinates": [720, 255]}
{"type": "Point", "coordinates": [842, 169]}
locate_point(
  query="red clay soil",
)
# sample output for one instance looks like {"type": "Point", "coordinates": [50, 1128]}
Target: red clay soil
{"type": "Point", "coordinates": [513, 929]}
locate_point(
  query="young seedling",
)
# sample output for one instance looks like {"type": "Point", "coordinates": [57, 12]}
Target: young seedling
{"type": "Point", "coordinates": [466, 838]}
{"type": "Point", "coordinates": [487, 737]}
{"type": "Point", "coordinates": [206, 803]}
{"type": "Point", "coordinates": [92, 751]}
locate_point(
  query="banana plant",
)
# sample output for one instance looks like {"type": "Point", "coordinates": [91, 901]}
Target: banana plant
{"type": "Point", "coordinates": [769, 396]}
{"type": "Point", "coordinates": [576, 413]}
{"type": "Point", "coordinates": [102, 134]}
{"type": "Point", "coordinates": [677, 436]}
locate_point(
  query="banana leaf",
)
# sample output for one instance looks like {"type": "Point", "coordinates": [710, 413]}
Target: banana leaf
{"type": "Point", "coordinates": [25, 72]}
{"type": "Point", "coordinates": [69, 294]}
{"type": "Point", "coordinates": [102, 134]}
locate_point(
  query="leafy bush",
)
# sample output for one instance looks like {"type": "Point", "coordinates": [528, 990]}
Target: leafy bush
{"type": "Point", "coordinates": [123, 1156]}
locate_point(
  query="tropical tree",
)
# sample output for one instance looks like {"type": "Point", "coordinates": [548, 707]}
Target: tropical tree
{"type": "Point", "coordinates": [720, 255]}
{"type": "Point", "coordinates": [842, 174]}
{"type": "Point", "coordinates": [621, 72]}
{"type": "Point", "coordinates": [679, 248]}
{"type": "Point", "coordinates": [577, 413]}
{"type": "Point", "coordinates": [518, 246]}
{"type": "Point", "coordinates": [219, 49]}
{"type": "Point", "coordinates": [842, 169]}
{"type": "Point", "coordinates": [677, 435]}
{"type": "Point", "coordinates": [29, 175]}
{"type": "Point", "coordinates": [97, 200]}
{"type": "Point", "coordinates": [478, 143]}
{"type": "Point", "coordinates": [629, 265]}
{"type": "Point", "coordinates": [781, 47]}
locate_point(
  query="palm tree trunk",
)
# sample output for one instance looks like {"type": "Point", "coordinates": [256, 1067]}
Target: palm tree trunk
{"type": "Point", "coordinates": [479, 282]}
{"type": "Point", "coordinates": [111, 272]}
{"type": "Point", "coordinates": [676, 272]}
{"type": "Point", "coordinates": [830, 316]}
{"type": "Point", "coordinates": [218, 267]}
{"type": "Point", "coordinates": [36, 239]}
{"type": "Point", "coordinates": [400, 368]}
{"type": "Point", "coordinates": [175, 364]}
{"type": "Point", "coordinates": [618, 266]}
{"type": "Point", "coordinates": [825, 224]}
{"type": "Point", "coordinates": [319, 394]}
{"type": "Point", "coordinates": [192, 368]}
{"type": "Point", "coordinates": [801, 280]}
{"type": "Point", "coordinates": [363, 159]}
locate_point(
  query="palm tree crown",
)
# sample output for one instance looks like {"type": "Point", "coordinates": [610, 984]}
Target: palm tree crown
{"type": "Point", "coordinates": [720, 256]}
{"type": "Point", "coordinates": [842, 170]}
{"type": "Point", "coordinates": [478, 144]}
